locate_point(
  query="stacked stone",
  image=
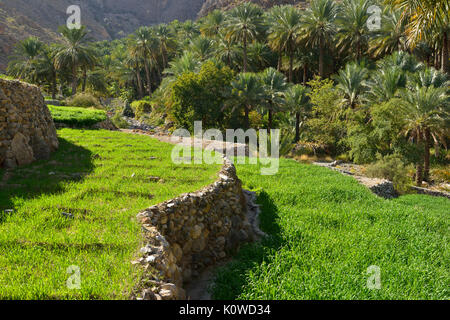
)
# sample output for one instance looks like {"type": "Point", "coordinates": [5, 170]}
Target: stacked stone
{"type": "Point", "coordinates": [27, 129]}
{"type": "Point", "coordinates": [187, 234]}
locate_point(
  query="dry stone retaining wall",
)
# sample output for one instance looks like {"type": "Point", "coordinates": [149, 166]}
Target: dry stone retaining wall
{"type": "Point", "coordinates": [185, 235]}
{"type": "Point", "coordinates": [27, 131]}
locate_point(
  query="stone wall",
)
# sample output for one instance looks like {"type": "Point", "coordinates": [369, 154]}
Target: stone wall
{"type": "Point", "coordinates": [187, 234]}
{"type": "Point", "coordinates": [27, 132]}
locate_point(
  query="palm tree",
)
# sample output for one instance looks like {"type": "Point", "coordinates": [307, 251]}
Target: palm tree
{"type": "Point", "coordinates": [425, 19]}
{"type": "Point", "coordinates": [284, 33]}
{"type": "Point", "coordinates": [318, 27]}
{"type": "Point", "coordinates": [275, 85]}
{"type": "Point", "coordinates": [227, 51]}
{"type": "Point", "coordinates": [429, 77]}
{"type": "Point", "coordinates": [145, 46]}
{"type": "Point", "coordinates": [297, 101]}
{"type": "Point", "coordinates": [402, 60]}
{"type": "Point", "coordinates": [46, 69]}
{"type": "Point", "coordinates": [22, 65]}
{"type": "Point", "coordinates": [259, 55]}
{"type": "Point", "coordinates": [74, 53]}
{"type": "Point", "coordinates": [213, 23]}
{"type": "Point", "coordinates": [392, 35]}
{"type": "Point", "coordinates": [353, 31]}
{"type": "Point", "coordinates": [247, 92]}
{"type": "Point", "coordinates": [188, 62]}
{"type": "Point", "coordinates": [203, 47]}
{"type": "Point", "coordinates": [426, 115]}
{"type": "Point", "coordinates": [385, 84]}
{"type": "Point", "coordinates": [166, 42]}
{"type": "Point", "coordinates": [244, 25]}
{"type": "Point", "coordinates": [351, 82]}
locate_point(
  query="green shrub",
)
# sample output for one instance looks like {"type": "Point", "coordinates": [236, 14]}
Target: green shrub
{"type": "Point", "coordinates": [393, 168]}
{"type": "Point", "coordinates": [119, 122]}
{"type": "Point", "coordinates": [141, 107]}
{"type": "Point", "coordinates": [83, 100]}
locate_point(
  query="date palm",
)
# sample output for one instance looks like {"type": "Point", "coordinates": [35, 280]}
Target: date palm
{"type": "Point", "coordinates": [213, 23]}
{"type": "Point", "coordinates": [392, 35]}
{"type": "Point", "coordinates": [247, 92]}
{"type": "Point", "coordinates": [284, 32]}
{"type": "Point", "coordinates": [426, 18]}
{"type": "Point", "coordinates": [146, 45]}
{"type": "Point", "coordinates": [297, 102]}
{"type": "Point", "coordinates": [426, 115]}
{"type": "Point", "coordinates": [244, 25]}
{"type": "Point", "coordinates": [74, 53]}
{"type": "Point", "coordinates": [353, 31]}
{"type": "Point", "coordinates": [227, 51]}
{"type": "Point", "coordinates": [385, 84]}
{"type": "Point", "coordinates": [351, 82]}
{"type": "Point", "coordinates": [319, 27]}
{"type": "Point", "coordinates": [166, 41]}
{"type": "Point", "coordinates": [22, 64]}
{"type": "Point", "coordinates": [275, 85]}
{"type": "Point", "coordinates": [46, 69]}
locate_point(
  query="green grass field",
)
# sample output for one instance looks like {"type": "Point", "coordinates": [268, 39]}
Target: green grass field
{"type": "Point", "coordinates": [77, 116]}
{"type": "Point", "coordinates": [103, 179]}
{"type": "Point", "coordinates": [326, 230]}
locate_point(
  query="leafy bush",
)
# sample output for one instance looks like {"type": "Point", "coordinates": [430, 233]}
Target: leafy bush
{"type": "Point", "coordinates": [83, 100]}
{"type": "Point", "coordinates": [76, 116]}
{"type": "Point", "coordinates": [119, 122]}
{"type": "Point", "coordinates": [141, 107]}
{"type": "Point", "coordinates": [393, 168]}
{"type": "Point", "coordinates": [201, 96]}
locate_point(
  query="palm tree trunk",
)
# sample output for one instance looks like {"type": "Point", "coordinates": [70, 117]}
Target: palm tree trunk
{"type": "Point", "coordinates": [139, 83]}
{"type": "Point", "coordinates": [445, 54]}
{"type": "Point", "coordinates": [147, 73]}
{"type": "Point", "coordinates": [305, 73]}
{"type": "Point", "coordinates": [247, 118]}
{"type": "Point", "coordinates": [270, 120]}
{"type": "Point", "coordinates": [321, 59]}
{"type": "Point", "coordinates": [84, 80]}
{"type": "Point", "coordinates": [245, 53]}
{"type": "Point", "coordinates": [297, 127]}
{"type": "Point", "coordinates": [419, 167]}
{"type": "Point", "coordinates": [427, 145]}
{"type": "Point", "coordinates": [291, 65]}
{"type": "Point", "coordinates": [74, 80]}
{"type": "Point", "coordinates": [54, 86]}
{"type": "Point", "coordinates": [280, 62]}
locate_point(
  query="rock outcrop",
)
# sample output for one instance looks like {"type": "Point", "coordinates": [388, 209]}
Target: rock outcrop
{"type": "Point", "coordinates": [27, 131]}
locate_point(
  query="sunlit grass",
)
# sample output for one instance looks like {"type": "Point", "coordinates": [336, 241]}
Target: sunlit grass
{"type": "Point", "coordinates": [77, 116]}
{"type": "Point", "coordinates": [103, 179]}
{"type": "Point", "coordinates": [326, 230]}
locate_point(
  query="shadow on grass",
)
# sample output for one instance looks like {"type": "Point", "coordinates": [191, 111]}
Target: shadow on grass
{"type": "Point", "coordinates": [69, 163]}
{"type": "Point", "coordinates": [229, 279]}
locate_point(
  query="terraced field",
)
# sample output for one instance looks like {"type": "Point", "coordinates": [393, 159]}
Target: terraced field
{"type": "Point", "coordinates": [79, 208]}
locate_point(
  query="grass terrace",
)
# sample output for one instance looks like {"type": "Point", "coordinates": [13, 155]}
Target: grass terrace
{"type": "Point", "coordinates": [79, 209]}
{"type": "Point", "coordinates": [325, 230]}
{"type": "Point", "coordinates": [77, 116]}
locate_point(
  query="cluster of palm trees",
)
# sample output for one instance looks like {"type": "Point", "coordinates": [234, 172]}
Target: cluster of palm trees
{"type": "Point", "coordinates": [39, 63]}
{"type": "Point", "coordinates": [420, 97]}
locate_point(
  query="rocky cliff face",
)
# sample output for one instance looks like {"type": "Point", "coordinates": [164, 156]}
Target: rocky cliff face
{"type": "Point", "coordinates": [27, 132]}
